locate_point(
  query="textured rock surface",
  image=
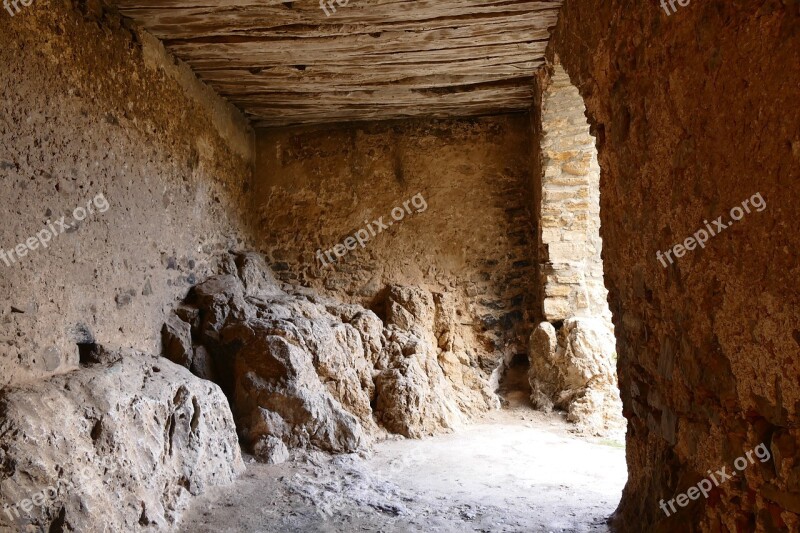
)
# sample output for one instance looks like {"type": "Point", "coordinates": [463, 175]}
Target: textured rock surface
{"type": "Point", "coordinates": [89, 106]}
{"type": "Point", "coordinates": [123, 446]}
{"type": "Point", "coordinates": [695, 113]}
{"type": "Point", "coordinates": [304, 371]}
{"type": "Point", "coordinates": [543, 373]}
{"type": "Point", "coordinates": [473, 242]}
{"type": "Point", "coordinates": [426, 382]}
{"type": "Point", "coordinates": [572, 369]}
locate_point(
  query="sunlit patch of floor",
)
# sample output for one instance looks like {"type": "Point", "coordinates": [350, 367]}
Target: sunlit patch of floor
{"type": "Point", "coordinates": [515, 471]}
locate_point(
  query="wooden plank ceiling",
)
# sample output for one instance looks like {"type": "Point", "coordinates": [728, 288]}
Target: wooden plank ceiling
{"type": "Point", "coordinates": [288, 63]}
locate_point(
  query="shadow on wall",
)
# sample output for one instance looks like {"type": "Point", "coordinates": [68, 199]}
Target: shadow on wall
{"type": "Point", "coordinates": [706, 351]}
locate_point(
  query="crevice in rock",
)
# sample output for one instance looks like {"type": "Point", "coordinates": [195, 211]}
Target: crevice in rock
{"type": "Point", "coordinates": [59, 524]}
{"type": "Point", "coordinates": [88, 353]}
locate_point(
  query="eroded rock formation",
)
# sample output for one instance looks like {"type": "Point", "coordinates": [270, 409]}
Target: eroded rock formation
{"type": "Point", "coordinates": [304, 371]}
{"type": "Point", "coordinates": [120, 446]}
{"type": "Point", "coordinates": [426, 381]}
{"type": "Point", "coordinates": [572, 369]}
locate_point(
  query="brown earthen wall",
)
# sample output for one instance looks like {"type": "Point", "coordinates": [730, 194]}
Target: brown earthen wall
{"type": "Point", "coordinates": [696, 112]}
{"type": "Point", "coordinates": [317, 186]}
{"type": "Point", "coordinates": [88, 108]}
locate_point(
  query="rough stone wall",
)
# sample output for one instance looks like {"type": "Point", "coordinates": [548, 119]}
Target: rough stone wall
{"type": "Point", "coordinates": [317, 186]}
{"type": "Point", "coordinates": [694, 113]}
{"type": "Point", "coordinates": [571, 266]}
{"type": "Point", "coordinates": [91, 107]}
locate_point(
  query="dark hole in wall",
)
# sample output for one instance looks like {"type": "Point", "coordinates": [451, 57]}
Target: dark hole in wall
{"type": "Point", "coordinates": [59, 524]}
{"type": "Point", "coordinates": [91, 353]}
{"type": "Point", "coordinates": [378, 304]}
{"type": "Point", "coordinates": [88, 353]}
{"type": "Point", "coordinates": [520, 359]}
{"type": "Point", "coordinates": [514, 385]}
{"type": "Point", "coordinates": [97, 431]}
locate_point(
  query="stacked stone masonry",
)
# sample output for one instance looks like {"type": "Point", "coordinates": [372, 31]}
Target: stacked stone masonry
{"type": "Point", "coordinates": [571, 267]}
{"type": "Point", "coordinates": [316, 186]}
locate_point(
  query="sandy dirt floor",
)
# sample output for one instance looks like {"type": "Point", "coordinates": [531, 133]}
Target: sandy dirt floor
{"type": "Point", "coordinates": [515, 470]}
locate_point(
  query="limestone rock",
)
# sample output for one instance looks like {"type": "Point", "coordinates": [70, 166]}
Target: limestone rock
{"type": "Point", "coordinates": [256, 277]}
{"type": "Point", "coordinates": [412, 393]}
{"type": "Point", "coordinates": [424, 388]}
{"type": "Point", "coordinates": [176, 338]}
{"type": "Point", "coordinates": [306, 370]}
{"type": "Point", "coordinates": [543, 373]}
{"type": "Point", "coordinates": [117, 447]}
{"type": "Point", "coordinates": [271, 450]}
{"type": "Point", "coordinates": [217, 298]}
{"type": "Point", "coordinates": [279, 394]}
{"type": "Point", "coordinates": [294, 368]}
{"type": "Point", "coordinates": [203, 364]}
{"type": "Point", "coordinates": [573, 370]}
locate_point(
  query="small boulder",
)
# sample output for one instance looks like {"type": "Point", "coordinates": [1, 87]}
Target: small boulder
{"type": "Point", "coordinates": [176, 341]}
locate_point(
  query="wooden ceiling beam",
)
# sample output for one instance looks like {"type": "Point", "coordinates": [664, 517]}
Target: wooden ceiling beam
{"type": "Point", "coordinates": [287, 63]}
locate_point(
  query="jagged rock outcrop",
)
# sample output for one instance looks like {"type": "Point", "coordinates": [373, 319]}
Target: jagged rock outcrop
{"type": "Point", "coordinates": [304, 371]}
{"type": "Point", "coordinates": [572, 369]}
{"type": "Point", "coordinates": [425, 381]}
{"type": "Point", "coordinates": [113, 447]}
{"type": "Point", "coordinates": [296, 374]}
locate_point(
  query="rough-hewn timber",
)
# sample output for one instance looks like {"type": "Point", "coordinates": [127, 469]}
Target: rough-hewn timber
{"type": "Point", "coordinates": [288, 63]}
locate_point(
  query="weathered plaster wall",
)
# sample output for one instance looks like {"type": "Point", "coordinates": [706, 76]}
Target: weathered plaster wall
{"type": "Point", "coordinates": [694, 113]}
{"type": "Point", "coordinates": [90, 107]}
{"type": "Point", "coordinates": [474, 241]}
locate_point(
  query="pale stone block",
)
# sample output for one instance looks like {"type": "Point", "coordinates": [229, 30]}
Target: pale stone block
{"type": "Point", "coordinates": [556, 308]}
{"type": "Point", "coordinates": [574, 236]}
{"type": "Point", "coordinates": [559, 155]}
{"type": "Point", "coordinates": [565, 180]}
{"type": "Point", "coordinates": [578, 205]}
{"type": "Point", "coordinates": [557, 290]}
{"type": "Point", "coordinates": [576, 168]}
{"type": "Point", "coordinates": [569, 277]}
{"type": "Point", "coordinates": [566, 251]}
{"type": "Point", "coordinates": [551, 234]}
{"type": "Point", "coordinates": [551, 172]}
{"type": "Point", "coordinates": [557, 196]}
